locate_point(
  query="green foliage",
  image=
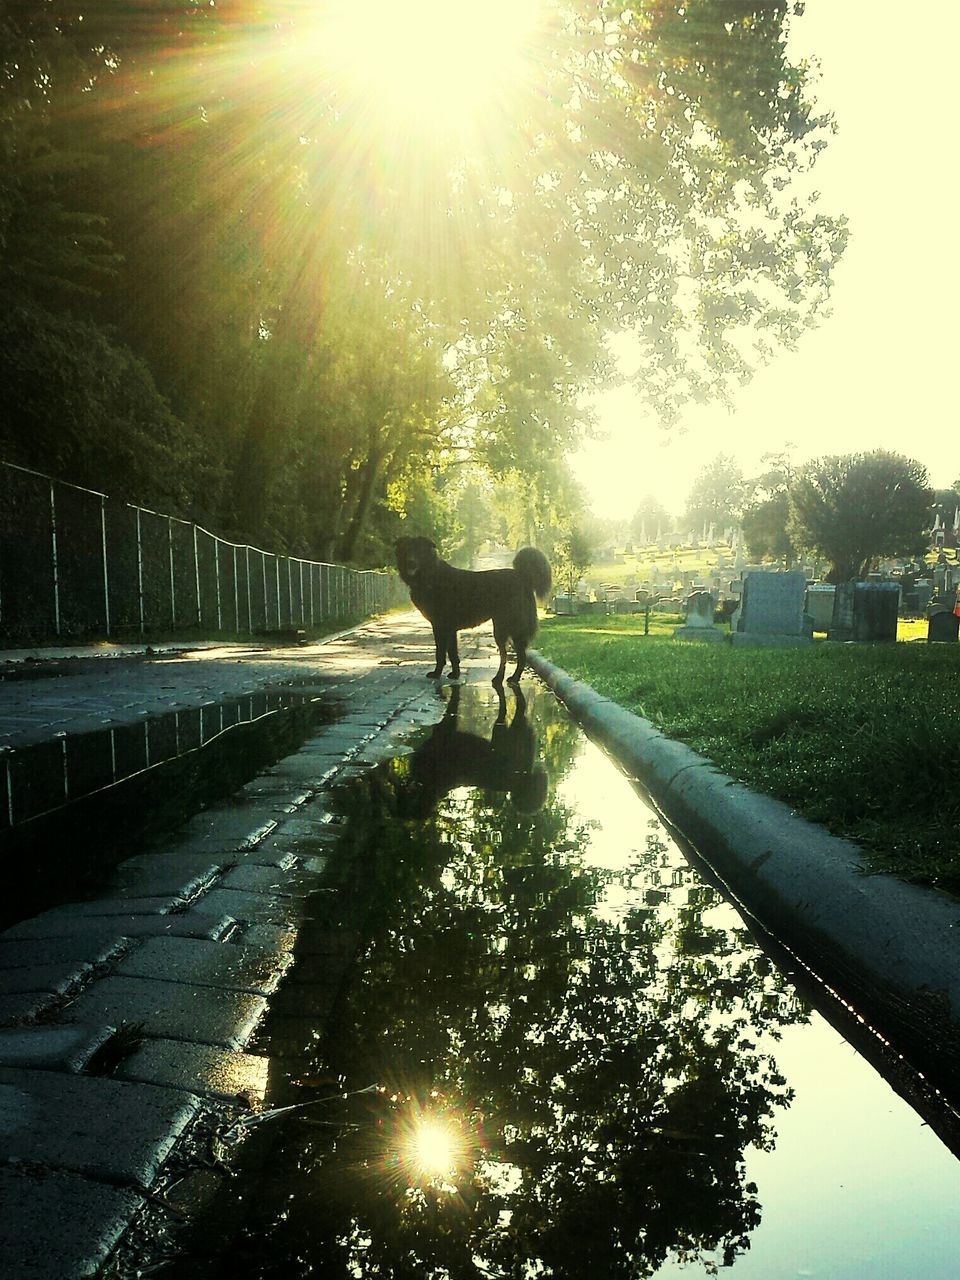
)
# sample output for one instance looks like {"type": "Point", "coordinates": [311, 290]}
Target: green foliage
{"type": "Point", "coordinates": [854, 508]}
{"type": "Point", "coordinates": [860, 738]}
{"type": "Point", "coordinates": [717, 494]}
{"type": "Point", "coordinates": [78, 403]}
{"type": "Point", "coordinates": [335, 311]}
{"type": "Point", "coordinates": [765, 526]}
{"type": "Point", "coordinates": [573, 556]}
{"type": "Point", "coordinates": [650, 516]}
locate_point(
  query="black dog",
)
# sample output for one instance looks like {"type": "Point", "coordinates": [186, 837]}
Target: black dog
{"type": "Point", "coordinates": [451, 599]}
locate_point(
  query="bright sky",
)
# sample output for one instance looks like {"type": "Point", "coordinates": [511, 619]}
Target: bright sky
{"type": "Point", "coordinates": [880, 371]}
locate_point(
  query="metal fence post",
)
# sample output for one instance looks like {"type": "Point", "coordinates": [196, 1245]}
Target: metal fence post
{"type": "Point", "coordinates": [106, 574]}
{"type": "Point", "coordinates": [236, 592]}
{"type": "Point", "coordinates": [143, 622]}
{"type": "Point", "coordinates": [173, 586]}
{"type": "Point", "coordinates": [196, 578]}
{"type": "Point", "coordinates": [249, 603]}
{"type": "Point", "coordinates": [216, 562]}
{"type": "Point", "coordinates": [56, 566]}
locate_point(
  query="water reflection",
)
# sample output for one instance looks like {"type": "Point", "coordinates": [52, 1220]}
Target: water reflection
{"type": "Point", "coordinates": [453, 757]}
{"type": "Point", "coordinates": [547, 994]}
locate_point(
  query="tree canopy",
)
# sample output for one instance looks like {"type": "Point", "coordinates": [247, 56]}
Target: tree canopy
{"type": "Point", "coordinates": [854, 508]}
{"type": "Point", "coordinates": [331, 303]}
{"type": "Point", "coordinates": [716, 496]}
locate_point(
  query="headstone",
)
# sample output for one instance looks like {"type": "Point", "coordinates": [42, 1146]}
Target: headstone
{"type": "Point", "coordinates": [866, 612]}
{"type": "Point", "coordinates": [924, 590]}
{"type": "Point", "coordinates": [700, 607]}
{"type": "Point", "coordinates": [820, 604]}
{"type": "Point", "coordinates": [771, 610]}
{"type": "Point", "coordinates": [943, 627]}
{"type": "Point", "coordinates": [564, 605]}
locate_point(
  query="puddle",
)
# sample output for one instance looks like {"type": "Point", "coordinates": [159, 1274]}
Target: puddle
{"type": "Point", "coordinates": [558, 1052]}
{"type": "Point", "coordinates": [72, 807]}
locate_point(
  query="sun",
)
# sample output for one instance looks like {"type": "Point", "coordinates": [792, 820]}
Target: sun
{"type": "Point", "coordinates": [430, 64]}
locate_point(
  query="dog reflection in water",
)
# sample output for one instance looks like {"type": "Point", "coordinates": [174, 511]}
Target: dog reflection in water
{"type": "Point", "coordinates": [452, 758]}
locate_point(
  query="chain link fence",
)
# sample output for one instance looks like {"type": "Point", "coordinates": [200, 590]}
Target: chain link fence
{"type": "Point", "coordinates": [79, 565]}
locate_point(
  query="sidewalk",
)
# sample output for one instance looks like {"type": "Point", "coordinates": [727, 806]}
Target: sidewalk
{"type": "Point", "coordinates": [128, 1023]}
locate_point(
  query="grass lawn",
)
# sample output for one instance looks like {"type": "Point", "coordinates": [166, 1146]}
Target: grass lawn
{"type": "Point", "coordinates": [864, 739]}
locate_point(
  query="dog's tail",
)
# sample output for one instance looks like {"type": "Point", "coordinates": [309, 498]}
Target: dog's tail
{"type": "Point", "coordinates": [534, 567]}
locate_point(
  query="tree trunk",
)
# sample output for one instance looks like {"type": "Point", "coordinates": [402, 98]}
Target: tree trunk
{"type": "Point", "coordinates": [369, 475]}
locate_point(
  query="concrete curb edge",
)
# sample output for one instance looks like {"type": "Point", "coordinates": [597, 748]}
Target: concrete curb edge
{"type": "Point", "coordinates": [889, 949]}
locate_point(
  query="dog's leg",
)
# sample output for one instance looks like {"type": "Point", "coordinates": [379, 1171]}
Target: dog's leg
{"type": "Point", "coordinates": [501, 638]}
{"type": "Point", "coordinates": [438, 640]}
{"type": "Point", "coordinates": [454, 654]}
{"type": "Point", "coordinates": [521, 649]}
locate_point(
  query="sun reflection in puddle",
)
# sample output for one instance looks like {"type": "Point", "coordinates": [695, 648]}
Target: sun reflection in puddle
{"type": "Point", "coordinates": [431, 1147]}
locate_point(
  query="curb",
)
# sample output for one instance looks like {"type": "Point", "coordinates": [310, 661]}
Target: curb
{"type": "Point", "coordinates": [888, 949]}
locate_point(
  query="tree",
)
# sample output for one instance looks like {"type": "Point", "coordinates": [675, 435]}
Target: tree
{"type": "Point", "coordinates": [854, 508]}
{"type": "Point", "coordinates": [641, 187]}
{"type": "Point", "coordinates": [765, 526]}
{"type": "Point", "coordinates": [766, 515]}
{"type": "Point", "coordinates": [573, 556]}
{"type": "Point", "coordinates": [650, 517]}
{"type": "Point", "coordinates": [716, 495]}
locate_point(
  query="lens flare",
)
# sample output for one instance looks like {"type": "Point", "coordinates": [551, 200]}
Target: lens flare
{"type": "Point", "coordinates": [432, 64]}
{"type": "Point", "coordinates": [432, 1148]}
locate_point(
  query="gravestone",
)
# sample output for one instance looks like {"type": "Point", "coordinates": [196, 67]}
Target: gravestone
{"type": "Point", "coordinates": [866, 612]}
{"type": "Point", "coordinates": [924, 590]}
{"type": "Point", "coordinates": [771, 609]}
{"type": "Point", "coordinates": [943, 627]}
{"type": "Point", "coordinates": [700, 607]}
{"type": "Point", "coordinates": [820, 604]}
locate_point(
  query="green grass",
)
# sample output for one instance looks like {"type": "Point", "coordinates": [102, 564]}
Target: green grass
{"type": "Point", "coordinates": [864, 739]}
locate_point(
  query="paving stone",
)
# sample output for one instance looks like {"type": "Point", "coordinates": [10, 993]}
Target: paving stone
{"type": "Point", "coordinates": [208, 964]}
{"type": "Point", "coordinates": [175, 1010]}
{"type": "Point", "coordinates": [303, 837]}
{"type": "Point", "coordinates": [109, 1129]}
{"type": "Point", "coordinates": [56, 924]}
{"type": "Point", "coordinates": [269, 854]}
{"type": "Point", "coordinates": [52, 1048]}
{"type": "Point", "coordinates": [150, 874]}
{"type": "Point", "coordinates": [58, 1226]}
{"type": "Point", "coordinates": [314, 767]}
{"type": "Point", "coordinates": [58, 979]}
{"type": "Point", "coordinates": [259, 908]}
{"type": "Point", "coordinates": [267, 785]}
{"type": "Point", "coordinates": [200, 1069]}
{"type": "Point", "coordinates": [269, 937]}
{"type": "Point", "coordinates": [221, 831]}
{"type": "Point", "coordinates": [298, 881]}
{"type": "Point", "coordinates": [24, 1006]}
{"type": "Point", "coordinates": [154, 905]}
{"type": "Point", "coordinates": [81, 952]}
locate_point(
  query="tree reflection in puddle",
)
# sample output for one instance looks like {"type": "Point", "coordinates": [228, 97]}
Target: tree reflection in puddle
{"type": "Point", "coordinates": [586, 1029]}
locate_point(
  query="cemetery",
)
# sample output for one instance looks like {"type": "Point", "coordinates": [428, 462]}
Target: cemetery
{"type": "Point", "coordinates": [843, 701]}
{"type": "Point", "coordinates": [670, 577]}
